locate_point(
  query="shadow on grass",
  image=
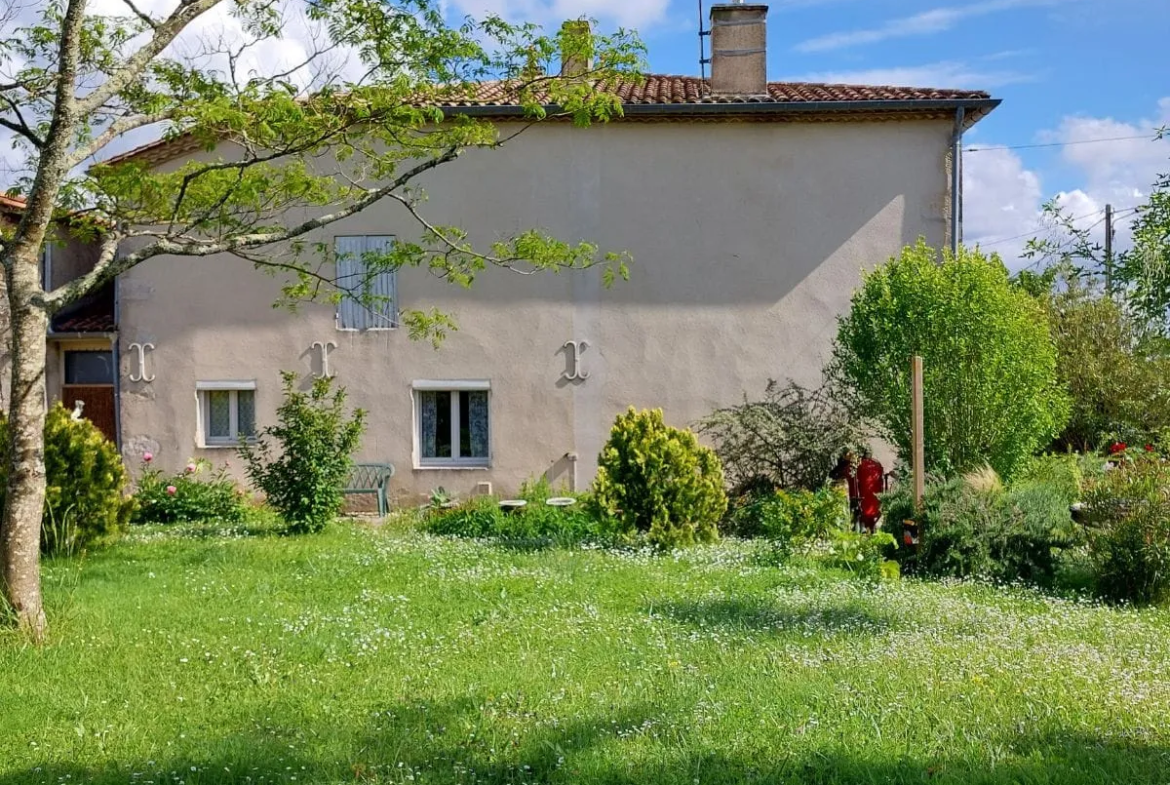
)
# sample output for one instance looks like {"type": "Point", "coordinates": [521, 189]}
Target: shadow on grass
{"type": "Point", "coordinates": [752, 614]}
{"type": "Point", "coordinates": [479, 741]}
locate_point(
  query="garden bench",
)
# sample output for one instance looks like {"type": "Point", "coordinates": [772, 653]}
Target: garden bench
{"type": "Point", "coordinates": [370, 478]}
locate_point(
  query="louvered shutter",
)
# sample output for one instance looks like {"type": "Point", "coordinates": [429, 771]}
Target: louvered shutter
{"type": "Point", "coordinates": [383, 309]}
{"type": "Point", "coordinates": [348, 254]}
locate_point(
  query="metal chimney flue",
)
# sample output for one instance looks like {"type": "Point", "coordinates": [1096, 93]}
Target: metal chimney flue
{"type": "Point", "coordinates": [739, 49]}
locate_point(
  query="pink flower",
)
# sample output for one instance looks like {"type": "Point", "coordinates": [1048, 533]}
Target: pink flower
{"type": "Point", "coordinates": [172, 490]}
{"type": "Point", "coordinates": [148, 456]}
{"type": "Point", "coordinates": [190, 468]}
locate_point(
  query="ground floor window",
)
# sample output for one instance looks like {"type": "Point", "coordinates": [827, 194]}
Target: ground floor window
{"type": "Point", "coordinates": [227, 412]}
{"type": "Point", "coordinates": [453, 425]}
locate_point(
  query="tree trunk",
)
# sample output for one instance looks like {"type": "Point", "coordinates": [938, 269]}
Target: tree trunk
{"type": "Point", "coordinates": [24, 502]}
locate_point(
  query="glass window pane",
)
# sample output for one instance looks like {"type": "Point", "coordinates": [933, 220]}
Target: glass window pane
{"type": "Point", "coordinates": [246, 412]}
{"type": "Point", "coordinates": [219, 424]}
{"type": "Point", "coordinates": [474, 414]}
{"type": "Point", "coordinates": [89, 367]}
{"type": "Point", "coordinates": [443, 425]}
{"type": "Point", "coordinates": [428, 411]}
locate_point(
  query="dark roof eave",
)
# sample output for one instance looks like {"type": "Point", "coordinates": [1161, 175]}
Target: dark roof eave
{"type": "Point", "coordinates": [976, 108]}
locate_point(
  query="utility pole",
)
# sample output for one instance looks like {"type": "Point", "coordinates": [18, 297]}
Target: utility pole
{"type": "Point", "coordinates": [1109, 250]}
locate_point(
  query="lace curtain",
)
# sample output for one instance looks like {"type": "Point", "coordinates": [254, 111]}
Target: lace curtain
{"type": "Point", "coordinates": [477, 406]}
{"type": "Point", "coordinates": [430, 411]}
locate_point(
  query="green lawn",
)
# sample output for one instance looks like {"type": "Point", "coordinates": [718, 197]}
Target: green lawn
{"type": "Point", "coordinates": [387, 656]}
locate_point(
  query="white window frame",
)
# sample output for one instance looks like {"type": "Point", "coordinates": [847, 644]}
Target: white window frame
{"type": "Point", "coordinates": [456, 386]}
{"type": "Point", "coordinates": [203, 411]}
{"type": "Point", "coordinates": [392, 317]}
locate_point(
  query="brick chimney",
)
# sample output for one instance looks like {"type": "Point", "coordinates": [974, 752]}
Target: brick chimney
{"type": "Point", "coordinates": [739, 49]}
{"type": "Point", "coordinates": [576, 48]}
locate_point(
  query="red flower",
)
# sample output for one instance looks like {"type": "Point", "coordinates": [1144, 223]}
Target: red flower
{"type": "Point", "coordinates": [1149, 448]}
{"type": "Point", "coordinates": [1117, 447]}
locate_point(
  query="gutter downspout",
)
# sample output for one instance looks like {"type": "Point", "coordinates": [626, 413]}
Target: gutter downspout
{"type": "Point", "coordinates": [117, 364]}
{"type": "Point", "coordinates": [957, 181]}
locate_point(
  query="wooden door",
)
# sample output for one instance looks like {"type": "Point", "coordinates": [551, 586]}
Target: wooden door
{"type": "Point", "coordinates": [89, 378]}
{"type": "Point", "coordinates": [98, 405]}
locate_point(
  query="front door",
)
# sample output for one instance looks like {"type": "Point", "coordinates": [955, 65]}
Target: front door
{"type": "Point", "coordinates": [89, 379]}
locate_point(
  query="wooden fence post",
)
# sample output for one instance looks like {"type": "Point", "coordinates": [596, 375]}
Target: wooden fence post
{"type": "Point", "coordinates": [916, 430]}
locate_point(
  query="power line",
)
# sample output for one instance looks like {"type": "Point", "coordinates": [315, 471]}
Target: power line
{"type": "Point", "coordinates": [1150, 137]}
{"type": "Point", "coordinates": [1033, 232]}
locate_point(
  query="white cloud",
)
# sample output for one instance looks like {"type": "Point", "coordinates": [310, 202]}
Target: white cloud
{"type": "Point", "coordinates": [1002, 198]}
{"type": "Point", "coordinates": [627, 13]}
{"type": "Point", "coordinates": [936, 20]}
{"type": "Point", "coordinates": [941, 74]}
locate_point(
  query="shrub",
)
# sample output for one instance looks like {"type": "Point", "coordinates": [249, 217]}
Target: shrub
{"type": "Point", "coordinates": [793, 519]}
{"type": "Point", "coordinates": [1013, 535]}
{"type": "Point", "coordinates": [1115, 377]}
{"type": "Point", "coordinates": [198, 493]}
{"type": "Point", "coordinates": [85, 499]}
{"type": "Point", "coordinates": [861, 554]}
{"type": "Point", "coordinates": [536, 524]}
{"type": "Point", "coordinates": [660, 481]}
{"type": "Point", "coordinates": [793, 438]}
{"type": "Point", "coordinates": [1128, 519]}
{"type": "Point", "coordinates": [316, 439]}
{"type": "Point", "coordinates": [992, 392]}
{"type": "Point", "coordinates": [1062, 473]}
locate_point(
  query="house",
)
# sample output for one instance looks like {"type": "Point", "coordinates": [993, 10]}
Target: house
{"type": "Point", "coordinates": [749, 207]}
{"type": "Point", "coordinates": [82, 347]}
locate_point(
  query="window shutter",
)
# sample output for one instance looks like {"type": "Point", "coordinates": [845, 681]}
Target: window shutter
{"type": "Point", "coordinates": [384, 312]}
{"type": "Point", "coordinates": [348, 254]}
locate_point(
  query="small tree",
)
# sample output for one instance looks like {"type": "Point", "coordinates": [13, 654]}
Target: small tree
{"type": "Point", "coordinates": [992, 392]}
{"type": "Point", "coordinates": [317, 440]}
{"type": "Point", "coordinates": [792, 438]}
{"type": "Point", "coordinates": [659, 480]}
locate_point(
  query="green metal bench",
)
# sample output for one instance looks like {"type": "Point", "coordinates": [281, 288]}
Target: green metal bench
{"type": "Point", "coordinates": [367, 478]}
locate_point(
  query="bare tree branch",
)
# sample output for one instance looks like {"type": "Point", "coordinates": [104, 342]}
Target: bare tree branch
{"type": "Point", "coordinates": [145, 17]}
{"type": "Point", "coordinates": [116, 129]}
{"type": "Point", "coordinates": [108, 267]}
{"type": "Point", "coordinates": [164, 33]}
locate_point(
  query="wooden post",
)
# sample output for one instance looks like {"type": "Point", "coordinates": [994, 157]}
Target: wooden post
{"type": "Point", "coordinates": [916, 429]}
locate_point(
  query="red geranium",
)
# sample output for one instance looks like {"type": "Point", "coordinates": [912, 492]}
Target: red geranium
{"type": "Point", "coordinates": [1118, 447]}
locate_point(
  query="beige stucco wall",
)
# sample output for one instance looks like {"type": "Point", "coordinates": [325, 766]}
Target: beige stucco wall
{"type": "Point", "coordinates": [747, 238]}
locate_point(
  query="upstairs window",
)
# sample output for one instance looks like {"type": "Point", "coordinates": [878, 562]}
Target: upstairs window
{"type": "Point", "coordinates": [369, 298]}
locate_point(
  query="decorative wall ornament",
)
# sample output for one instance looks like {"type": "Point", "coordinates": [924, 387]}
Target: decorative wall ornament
{"type": "Point", "coordinates": [142, 349]}
{"type": "Point", "coordinates": [326, 347]}
{"type": "Point", "coordinates": [576, 374]}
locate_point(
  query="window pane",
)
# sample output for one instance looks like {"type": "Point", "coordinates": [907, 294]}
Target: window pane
{"type": "Point", "coordinates": [219, 424]}
{"type": "Point", "coordinates": [428, 412]}
{"type": "Point", "coordinates": [89, 367]}
{"type": "Point", "coordinates": [246, 412]}
{"type": "Point", "coordinates": [475, 419]}
{"type": "Point", "coordinates": [443, 425]}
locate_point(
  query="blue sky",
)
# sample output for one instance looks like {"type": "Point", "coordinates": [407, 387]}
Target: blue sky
{"type": "Point", "coordinates": [1067, 71]}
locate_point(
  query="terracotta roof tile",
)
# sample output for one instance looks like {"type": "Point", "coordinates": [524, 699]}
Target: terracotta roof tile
{"type": "Point", "coordinates": [669, 90]}
{"type": "Point", "coordinates": [92, 314]}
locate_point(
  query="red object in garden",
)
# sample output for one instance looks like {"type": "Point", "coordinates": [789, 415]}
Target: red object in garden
{"type": "Point", "coordinates": [1118, 447]}
{"type": "Point", "coordinates": [865, 483]}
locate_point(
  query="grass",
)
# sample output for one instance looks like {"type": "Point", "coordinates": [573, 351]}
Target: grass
{"type": "Point", "coordinates": [389, 656]}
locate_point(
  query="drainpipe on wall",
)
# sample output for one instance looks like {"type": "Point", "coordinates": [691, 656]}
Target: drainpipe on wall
{"type": "Point", "coordinates": [117, 360]}
{"type": "Point", "coordinates": [957, 182]}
